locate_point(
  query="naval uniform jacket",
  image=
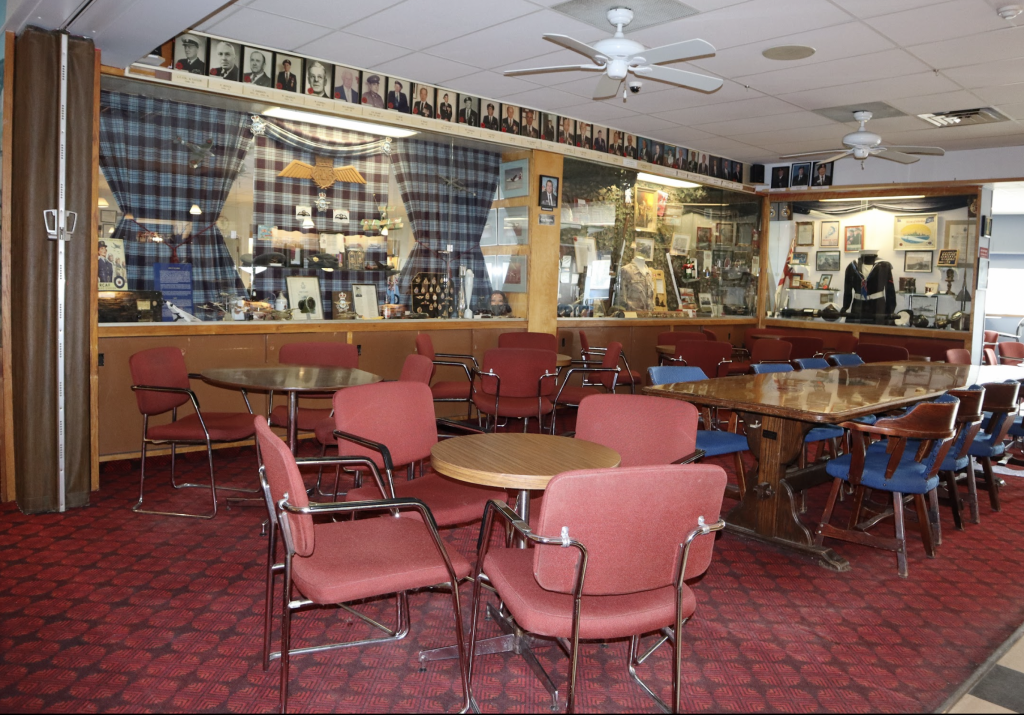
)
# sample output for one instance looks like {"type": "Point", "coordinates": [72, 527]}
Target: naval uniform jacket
{"type": "Point", "coordinates": [871, 298]}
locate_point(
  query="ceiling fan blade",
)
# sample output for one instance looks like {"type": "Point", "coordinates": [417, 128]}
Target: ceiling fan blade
{"type": "Point", "coordinates": [677, 51]}
{"type": "Point", "coordinates": [897, 156]}
{"type": "Point", "coordinates": [691, 80]}
{"type": "Point", "coordinates": [814, 153]}
{"type": "Point", "coordinates": [925, 150]}
{"type": "Point", "coordinates": [607, 87]}
{"type": "Point", "coordinates": [561, 68]}
{"type": "Point", "coordinates": [577, 46]}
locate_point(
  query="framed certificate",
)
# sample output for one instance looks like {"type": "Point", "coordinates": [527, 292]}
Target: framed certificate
{"type": "Point", "coordinates": [364, 300]}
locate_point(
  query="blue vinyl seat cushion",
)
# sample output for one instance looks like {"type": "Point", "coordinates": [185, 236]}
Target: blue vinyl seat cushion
{"type": "Point", "coordinates": [820, 434]}
{"type": "Point", "coordinates": [908, 479]}
{"type": "Point", "coordinates": [983, 446]}
{"type": "Point", "coordinates": [715, 443]}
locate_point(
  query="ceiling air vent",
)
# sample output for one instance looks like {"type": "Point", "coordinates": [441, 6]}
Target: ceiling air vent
{"type": "Point", "coordinates": [646, 13]}
{"type": "Point", "coordinates": [964, 117]}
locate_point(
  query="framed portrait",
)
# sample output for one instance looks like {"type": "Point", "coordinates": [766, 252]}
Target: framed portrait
{"type": "Point", "coordinates": [703, 236]}
{"type": "Point", "coordinates": [600, 139]}
{"type": "Point", "coordinates": [514, 226]}
{"type": "Point", "coordinates": [190, 53]}
{"type": "Point", "coordinates": [780, 177]}
{"type": "Point", "coordinates": [319, 79]}
{"type": "Point", "coordinates": [364, 300]}
{"type": "Point", "coordinates": [647, 212]}
{"type": "Point", "coordinates": [948, 258]}
{"type": "Point", "coordinates": [111, 265]}
{"type": "Point", "coordinates": [854, 239]}
{"type": "Point", "coordinates": [225, 60]}
{"type": "Point", "coordinates": [514, 179]}
{"type": "Point", "coordinates": [510, 119]}
{"type": "Point", "coordinates": [702, 164]}
{"type": "Point", "coordinates": [825, 281]}
{"type": "Point", "coordinates": [530, 123]}
{"type": "Point", "coordinates": [490, 116]}
{"type": "Point", "coordinates": [657, 152]}
{"type": "Point", "coordinates": [827, 261]}
{"type": "Point", "coordinates": [447, 102]}
{"type": "Point", "coordinates": [726, 233]}
{"type": "Point", "coordinates": [799, 258]}
{"type": "Point", "coordinates": [645, 248]}
{"type": "Point", "coordinates": [829, 236]}
{"type": "Point", "coordinates": [515, 275]}
{"type": "Point", "coordinates": [629, 147]}
{"type": "Point", "coordinates": [288, 72]}
{"type": "Point", "coordinates": [680, 244]}
{"type": "Point", "coordinates": [821, 173]}
{"type": "Point", "coordinates": [584, 135]}
{"type": "Point", "coordinates": [682, 158]}
{"type": "Point", "coordinates": [424, 100]}
{"type": "Point", "coordinates": [804, 232]}
{"type": "Point", "coordinates": [918, 261]}
{"type": "Point", "coordinates": [643, 148]}
{"type": "Point", "coordinates": [397, 99]}
{"type": "Point", "coordinates": [548, 187]}
{"type": "Point", "coordinates": [304, 296]}
{"type": "Point", "coordinates": [916, 231]}
{"type": "Point", "coordinates": [566, 131]}
{"type": "Point", "coordinates": [801, 174]}
{"type": "Point", "coordinates": [960, 235]}
{"type": "Point", "coordinates": [669, 157]}
{"type": "Point", "coordinates": [346, 84]}
{"type": "Point", "coordinates": [547, 126]}
{"type": "Point", "coordinates": [373, 90]}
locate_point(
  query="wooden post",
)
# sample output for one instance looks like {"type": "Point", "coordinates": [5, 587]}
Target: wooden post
{"type": "Point", "coordinates": [7, 408]}
{"type": "Point", "coordinates": [543, 273]}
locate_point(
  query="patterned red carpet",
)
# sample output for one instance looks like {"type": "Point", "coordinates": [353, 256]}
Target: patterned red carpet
{"type": "Point", "coordinates": [106, 610]}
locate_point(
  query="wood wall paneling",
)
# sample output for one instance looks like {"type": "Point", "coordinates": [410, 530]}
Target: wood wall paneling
{"type": "Point", "coordinates": [7, 388]}
{"type": "Point", "coordinates": [544, 240]}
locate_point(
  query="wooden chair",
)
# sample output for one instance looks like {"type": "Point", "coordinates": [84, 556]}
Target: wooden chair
{"type": "Point", "coordinates": [1000, 403]}
{"type": "Point", "coordinates": [968, 423]}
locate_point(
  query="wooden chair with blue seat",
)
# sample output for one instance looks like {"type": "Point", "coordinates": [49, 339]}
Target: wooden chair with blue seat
{"type": "Point", "coordinates": [894, 466]}
{"type": "Point", "coordinates": [712, 441]}
{"type": "Point", "coordinates": [1000, 404]}
{"type": "Point", "coordinates": [845, 359]}
{"type": "Point", "coordinates": [812, 363]}
{"type": "Point", "coordinates": [968, 423]}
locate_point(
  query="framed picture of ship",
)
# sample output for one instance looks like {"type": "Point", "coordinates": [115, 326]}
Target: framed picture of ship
{"type": "Point", "coordinates": [919, 231]}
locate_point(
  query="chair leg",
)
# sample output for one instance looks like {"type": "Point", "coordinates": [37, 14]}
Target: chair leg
{"type": "Point", "coordinates": [826, 516]}
{"type": "Point", "coordinates": [933, 515]}
{"type": "Point", "coordinates": [901, 540]}
{"type": "Point", "coordinates": [925, 525]}
{"type": "Point", "coordinates": [740, 473]}
{"type": "Point", "coordinates": [268, 616]}
{"type": "Point", "coordinates": [954, 499]}
{"type": "Point", "coordinates": [286, 617]}
{"type": "Point", "coordinates": [858, 506]}
{"type": "Point", "coordinates": [993, 483]}
{"type": "Point", "coordinates": [574, 656]}
{"type": "Point", "coordinates": [972, 492]}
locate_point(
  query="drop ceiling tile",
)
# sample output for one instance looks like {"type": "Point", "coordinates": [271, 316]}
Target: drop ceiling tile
{"type": "Point", "coordinates": [988, 74]}
{"type": "Point", "coordinates": [879, 90]}
{"type": "Point", "coordinates": [600, 112]}
{"type": "Point", "coordinates": [871, 8]}
{"type": "Point", "coordinates": [1003, 94]}
{"type": "Point", "coordinates": [491, 85]}
{"type": "Point", "coordinates": [642, 124]}
{"type": "Point", "coordinates": [943, 21]}
{"type": "Point", "coordinates": [676, 98]}
{"type": "Point", "coordinates": [1013, 111]}
{"type": "Point", "coordinates": [346, 49]}
{"type": "Point", "coordinates": [685, 136]}
{"type": "Point", "coordinates": [737, 151]}
{"type": "Point", "coordinates": [726, 111]}
{"type": "Point", "coordinates": [889, 63]}
{"type": "Point", "coordinates": [986, 143]}
{"type": "Point", "coordinates": [326, 11]}
{"type": "Point", "coordinates": [214, 19]}
{"type": "Point", "coordinates": [994, 46]}
{"type": "Point", "coordinates": [260, 28]}
{"type": "Point", "coordinates": [824, 137]}
{"type": "Point", "coordinates": [942, 102]}
{"type": "Point", "coordinates": [426, 68]}
{"type": "Point", "coordinates": [544, 98]}
{"type": "Point", "coordinates": [774, 122]}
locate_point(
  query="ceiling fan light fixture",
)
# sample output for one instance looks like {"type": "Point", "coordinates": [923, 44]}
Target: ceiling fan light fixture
{"type": "Point", "coordinates": [789, 53]}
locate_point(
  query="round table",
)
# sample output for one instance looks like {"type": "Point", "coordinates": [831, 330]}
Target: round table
{"type": "Point", "coordinates": [294, 380]}
{"type": "Point", "coordinates": [563, 360]}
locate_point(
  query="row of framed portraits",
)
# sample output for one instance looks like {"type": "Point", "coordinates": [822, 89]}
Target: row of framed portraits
{"type": "Point", "coordinates": [234, 62]}
{"type": "Point", "coordinates": [912, 232]}
{"type": "Point", "coordinates": [802, 175]}
{"type": "Point", "coordinates": [828, 235]}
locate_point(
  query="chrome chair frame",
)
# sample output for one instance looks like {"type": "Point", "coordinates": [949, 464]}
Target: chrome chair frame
{"type": "Point", "coordinates": [469, 376]}
{"type": "Point", "coordinates": [571, 646]}
{"type": "Point", "coordinates": [497, 397]}
{"type": "Point", "coordinates": [585, 358]}
{"type": "Point", "coordinates": [400, 631]}
{"type": "Point", "coordinates": [583, 371]}
{"type": "Point", "coordinates": [209, 452]}
{"type": "Point", "coordinates": [672, 360]}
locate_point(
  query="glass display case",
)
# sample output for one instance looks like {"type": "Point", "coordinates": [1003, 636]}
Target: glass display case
{"type": "Point", "coordinates": [635, 245]}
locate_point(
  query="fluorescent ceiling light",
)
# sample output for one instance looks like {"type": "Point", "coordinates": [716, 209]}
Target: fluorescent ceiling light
{"type": "Point", "coordinates": [677, 183]}
{"type": "Point", "coordinates": [338, 122]}
{"type": "Point", "coordinates": [876, 198]}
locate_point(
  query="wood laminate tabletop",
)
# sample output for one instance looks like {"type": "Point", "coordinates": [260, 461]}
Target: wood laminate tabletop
{"type": "Point", "coordinates": [289, 378]}
{"type": "Point", "coordinates": [517, 461]}
{"type": "Point", "coordinates": [562, 360]}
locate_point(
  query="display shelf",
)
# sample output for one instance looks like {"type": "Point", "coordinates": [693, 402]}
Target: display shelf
{"type": "Point", "coordinates": [257, 327]}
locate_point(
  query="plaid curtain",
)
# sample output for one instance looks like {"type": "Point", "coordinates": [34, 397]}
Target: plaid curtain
{"type": "Point", "coordinates": [275, 199]}
{"type": "Point", "coordinates": [447, 192]}
{"type": "Point", "coordinates": [146, 146]}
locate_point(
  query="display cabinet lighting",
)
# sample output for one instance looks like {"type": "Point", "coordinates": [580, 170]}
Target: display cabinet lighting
{"type": "Point", "coordinates": [664, 181]}
{"type": "Point", "coordinates": [338, 122]}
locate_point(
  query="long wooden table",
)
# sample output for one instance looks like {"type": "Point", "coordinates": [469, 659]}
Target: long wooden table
{"type": "Point", "coordinates": [779, 409]}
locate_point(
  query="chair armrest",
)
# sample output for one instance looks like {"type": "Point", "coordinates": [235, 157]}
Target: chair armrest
{"type": "Point", "coordinates": [456, 356]}
{"type": "Point", "coordinates": [691, 457]}
{"type": "Point", "coordinates": [195, 376]}
{"type": "Point", "coordinates": [480, 373]}
{"type": "Point", "coordinates": [464, 366]}
{"type": "Point", "coordinates": [179, 390]}
{"type": "Point", "coordinates": [585, 370]}
{"type": "Point", "coordinates": [378, 447]}
{"type": "Point", "coordinates": [718, 367]}
{"type": "Point", "coordinates": [453, 424]}
{"type": "Point", "coordinates": [701, 530]}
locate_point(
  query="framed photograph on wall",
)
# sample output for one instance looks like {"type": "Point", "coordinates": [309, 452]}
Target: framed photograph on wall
{"type": "Point", "coordinates": [373, 89]}
{"type": "Point", "coordinates": [805, 233]}
{"type": "Point", "coordinates": [801, 175]}
{"type": "Point", "coordinates": [469, 110]}
{"type": "Point", "coordinates": [915, 231]}
{"type": "Point", "coordinates": [726, 234]}
{"type": "Point", "coordinates": [600, 139]}
{"type": "Point", "coordinates": [825, 281]}
{"type": "Point", "coordinates": [514, 179]}
{"type": "Point", "coordinates": [257, 66]}
{"type": "Point", "coordinates": [490, 116]}
{"type": "Point", "coordinates": [584, 135]}
{"type": "Point", "coordinates": [780, 177]}
{"type": "Point", "coordinates": [703, 236]}
{"type": "Point", "coordinates": [346, 84]}
{"type": "Point", "coordinates": [647, 213]}
{"type": "Point", "coordinates": [645, 248]}
{"type": "Point", "coordinates": [918, 261]}
{"type": "Point", "coordinates": [288, 73]}
{"type": "Point", "coordinates": [446, 105]}
{"type": "Point", "coordinates": [854, 239]}
{"type": "Point", "coordinates": [827, 261]}
{"type": "Point", "coordinates": [799, 258]}
{"type": "Point", "coordinates": [567, 131]}
{"type": "Point", "coordinates": [821, 173]}
{"type": "Point", "coordinates": [548, 199]}
{"type": "Point", "coordinates": [510, 119]}
{"type": "Point", "coordinates": [398, 96]}
{"type": "Point", "coordinates": [364, 300]}
{"type": "Point", "coordinates": [320, 79]}
{"type": "Point", "coordinates": [304, 296]}
{"type": "Point", "coordinates": [960, 235]}
{"type": "Point", "coordinates": [190, 53]}
{"type": "Point", "coordinates": [514, 226]}
{"type": "Point", "coordinates": [424, 100]}
{"type": "Point", "coordinates": [226, 60]}
{"type": "Point", "coordinates": [829, 236]}
{"type": "Point", "coordinates": [948, 258]}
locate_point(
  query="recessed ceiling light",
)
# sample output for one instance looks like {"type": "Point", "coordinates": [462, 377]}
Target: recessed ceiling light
{"type": "Point", "coordinates": [789, 52]}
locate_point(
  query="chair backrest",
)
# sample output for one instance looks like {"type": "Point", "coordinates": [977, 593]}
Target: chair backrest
{"type": "Point", "coordinates": [812, 363]}
{"type": "Point", "coordinates": [704, 354]}
{"type": "Point", "coordinates": [532, 341]}
{"type": "Point", "coordinates": [990, 337]}
{"type": "Point", "coordinates": [319, 354]}
{"type": "Point", "coordinates": [609, 360]}
{"type": "Point", "coordinates": [754, 334]}
{"type": "Point", "coordinates": [668, 374]}
{"type": "Point", "coordinates": [159, 367]}
{"type": "Point", "coordinates": [770, 351]}
{"type": "Point", "coordinates": [1000, 400]}
{"type": "Point", "coordinates": [958, 356]}
{"type": "Point", "coordinates": [519, 370]}
{"type": "Point", "coordinates": [845, 359]}
{"type": "Point", "coordinates": [1010, 352]}
{"type": "Point", "coordinates": [641, 428]}
{"type": "Point", "coordinates": [846, 343]}
{"type": "Point", "coordinates": [417, 368]}
{"type": "Point", "coordinates": [934, 421]}
{"type": "Point", "coordinates": [584, 342]}
{"type": "Point", "coordinates": [425, 347]}
{"type": "Point", "coordinates": [804, 347]}
{"type": "Point", "coordinates": [680, 336]}
{"type": "Point", "coordinates": [632, 533]}
{"type": "Point", "coordinates": [710, 335]}
{"type": "Point", "coordinates": [990, 357]}
{"type": "Point", "coordinates": [284, 478]}
{"type": "Point", "coordinates": [968, 418]}
{"type": "Point", "coordinates": [762, 368]}
{"type": "Point", "coordinates": [875, 352]}
{"type": "Point", "coordinates": [399, 415]}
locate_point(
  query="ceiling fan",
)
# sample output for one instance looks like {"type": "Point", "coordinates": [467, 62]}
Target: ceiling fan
{"type": "Point", "coordinates": [862, 144]}
{"type": "Point", "coordinates": [617, 57]}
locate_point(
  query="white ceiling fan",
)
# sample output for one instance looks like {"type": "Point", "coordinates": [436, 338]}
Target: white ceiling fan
{"type": "Point", "coordinates": [617, 57]}
{"type": "Point", "coordinates": [862, 144]}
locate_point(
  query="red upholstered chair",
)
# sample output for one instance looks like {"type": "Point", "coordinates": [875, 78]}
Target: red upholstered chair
{"type": "Point", "coordinates": [870, 353]}
{"type": "Point", "coordinates": [643, 429]}
{"type": "Point", "coordinates": [417, 368]}
{"type": "Point", "coordinates": [327, 563]}
{"type": "Point", "coordinates": [764, 351]}
{"type": "Point", "coordinates": [803, 347]}
{"type": "Point", "coordinates": [312, 355]}
{"type": "Point", "coordinates": [589, 353]}
{"type": "Point", "coordinates": [532, 341]}
{"type": "Point", "coordinates": [710, 335]}
{"type": "Point", "coordinates": [711, 357]}
{"type": "Point", "coordinates": [393, 424]}
{"type": "Point", "coordinates": [958, 356]}
{"type": "Point", "coordinates": [449, 390]}
{"type": "Point", "coordinates": [990, 357]}
{"type": "Point", "coordinates": [621, 560]}
{"type": "Point", "coordinates": [676, 338]}
{"type": "Point", "coordinates": [989, 339]}
{"type": "Point", "coordinates": [517, 383]}
{"type": "Point", "coordinates": [603, 379]}
{"type": "Point", "coordinates": [846, 343]}
{"type": "Point", "coordinates": [753, 335]}
{"type": "Point", "coordinates": [160, 381]}
{"type": "Point", "coordinates": [1010, 353]}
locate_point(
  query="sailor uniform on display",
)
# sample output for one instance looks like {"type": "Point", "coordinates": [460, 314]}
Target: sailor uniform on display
{"type": "Point", "coordinates": [871, 298]}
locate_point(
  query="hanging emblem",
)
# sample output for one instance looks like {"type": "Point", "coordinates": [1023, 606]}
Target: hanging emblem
{"type": "Point", "coordinates": [324, 174]}
{"type": "Point", "coordinates": [258, 126]}
{"type": "Point", "coordinates": [321, 203]}
{"type": "Point", "coordinates": [387, 146]}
